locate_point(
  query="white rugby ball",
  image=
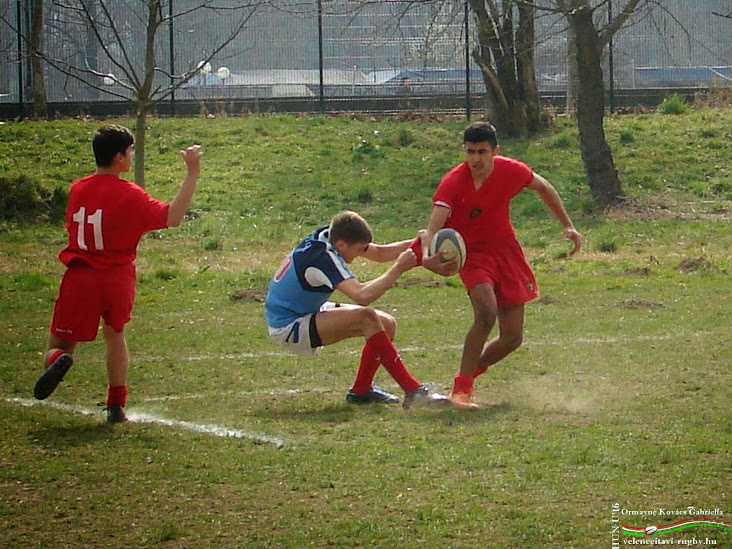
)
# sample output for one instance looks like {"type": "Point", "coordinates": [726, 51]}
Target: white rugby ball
{"type": "Point", "coordinates": [451, 242]}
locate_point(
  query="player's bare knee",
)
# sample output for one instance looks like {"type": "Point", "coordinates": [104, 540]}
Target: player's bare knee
{"type": "Point", "coordinates": [485, 319]}
{"type": "Point", "coordinates": [389, 323]}
{"type": "Point", "coordinates": [513, 342]}
{"type": "Point", "coordinates": [370, 318]}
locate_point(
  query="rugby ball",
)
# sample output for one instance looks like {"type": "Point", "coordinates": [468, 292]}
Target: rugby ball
{"type": "Point", "coordinates": [451, 242]}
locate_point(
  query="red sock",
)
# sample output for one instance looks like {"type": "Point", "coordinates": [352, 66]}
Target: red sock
{"type": "Point", "coordinates": [479, 371]}
{"type": "Point", "coordinates": [53, 355]}
{"type": "Point", "coordinates": [366, 369]}
{"type": "Point", "coordinates": [389, 357]}
{"type": "Point", "coordinates": [117, 395]}
{"type": "Point", "coordinates": [463, 384]}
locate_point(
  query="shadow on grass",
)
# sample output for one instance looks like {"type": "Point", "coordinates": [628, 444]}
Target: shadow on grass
{"type": "Point", "coordinates": [451, 416]}
{"type": "Point", "coordinates": [71, 436]}
{"type": "Point", "coordinates": [349, 412]}
{"type": "Point", "coordinates": [328, 414]}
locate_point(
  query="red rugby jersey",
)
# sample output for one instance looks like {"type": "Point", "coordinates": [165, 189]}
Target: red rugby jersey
{"type": "Point", "coordinates": [105, 219]}
{"type": "Point", "coordinates": [482, 216]}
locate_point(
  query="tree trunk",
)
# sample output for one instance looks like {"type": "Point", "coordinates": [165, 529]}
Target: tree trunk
{"type": "Point", "coordinates": [507, 115]}
{"type": "Point", "coordinates": [570, 107]}
{"type": "Point", "coordinates": [40, 102]}
{"type": "Point", "coordinates": [143, 101]}
{"type": "Point", "coordinates": [598, 160]}
{"type": "Point", "coordinates": [506, 59]}
{"type": "Point", "coordinates": [536, 117]}
{"type": "Point", "coordinates": [140, 130]}
{"type": "Point", "coordinates": [91, 49]}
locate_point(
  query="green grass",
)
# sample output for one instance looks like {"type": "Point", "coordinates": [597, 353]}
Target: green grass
{"type": "Point", "coordinates": [620, 393]}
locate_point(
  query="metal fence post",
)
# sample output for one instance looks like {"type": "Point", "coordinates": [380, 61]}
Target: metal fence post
{"type": "Point", "coordinates": [171, 47]}
{"type": "Point", "coordinates": [611, 68]}
{"type": "Point", "coordinates": [467, 61]}
{"type": "Point", "coordinates": [18, 17]}
{"type": "Point", "coordinates": [320, 56]}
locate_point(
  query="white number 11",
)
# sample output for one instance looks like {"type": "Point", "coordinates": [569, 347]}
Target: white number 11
{"type": "Point", "coordinates": [95, 220]}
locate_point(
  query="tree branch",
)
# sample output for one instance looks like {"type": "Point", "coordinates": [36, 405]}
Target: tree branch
{"type": "Point", "coordinates": [618, 21]}
{"type": "Point", "coordinates": [490, 73]}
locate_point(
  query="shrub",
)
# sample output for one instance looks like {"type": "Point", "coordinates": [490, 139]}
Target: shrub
{"type": "Point", "coordinates": [367, 148]}
{"type": "Point", "coordinates": [561, 142]}
{"type": "Point", "coordinates": [57, 204]}
{"type": "Point", "coordinates": [213, 244]}
{"type": "Point", "coordinates": [23, 199]}
{"type": "Point", "coordinates": [405, 137]}
{"type": "Point", "coordinates": [364, 194]}
{"type": "Point", "coordinates": [674, 104]}
{"type": "Point", "coordinates": [166, 274]}
{"type": "Point", "coordinates": [627, 137]}
{"type": "Point", "coordinates": [608, 246]}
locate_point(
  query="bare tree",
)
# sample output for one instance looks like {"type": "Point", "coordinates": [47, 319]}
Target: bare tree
{"type": "Point", "coordinates": [590, 41]}
{"type": "Point", "coordinates": [30, 15]}
{"type": "Point", "coordinates": [123, 37]}
{"type": "Point", "coordinates": [505, 55]}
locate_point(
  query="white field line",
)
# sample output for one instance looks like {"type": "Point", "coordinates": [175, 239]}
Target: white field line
{"type": "Point", "coordinates": [236, 433]}
{"type": "Point", "coordinates": [270, 392]}
{"type": "Point", "coordinates": [203, 428]}
{"type": "Point", "coordinates": [564, 342]}
{"type": "Point", "coordinates": [293, 392]}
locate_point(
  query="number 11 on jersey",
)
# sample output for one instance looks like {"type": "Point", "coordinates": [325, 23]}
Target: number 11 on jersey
{"type": "Point", "coordinates": [95, 220]}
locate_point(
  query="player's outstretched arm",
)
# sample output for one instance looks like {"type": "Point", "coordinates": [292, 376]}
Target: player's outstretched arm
{"type": "Point", "coordinates": [551, 198]}
{"type": "Point", "coordinates": [179, 205]}
{"type": "Point", "coordinates": [381, 253]}
{"type": "Point", "coordinates": [364, 293]}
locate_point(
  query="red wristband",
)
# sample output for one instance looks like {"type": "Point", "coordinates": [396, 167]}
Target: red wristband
{"type": "Point", "coordinates": [416, 246]}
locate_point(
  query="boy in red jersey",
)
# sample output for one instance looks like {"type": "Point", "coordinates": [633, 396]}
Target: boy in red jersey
{"type": "Point", "coordinates": [473, 198]}
{"type": "Point", "coordinates": [106, 218]}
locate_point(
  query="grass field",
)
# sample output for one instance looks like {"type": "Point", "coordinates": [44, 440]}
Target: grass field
{"type": "Point", "coordinates": [618, 399]}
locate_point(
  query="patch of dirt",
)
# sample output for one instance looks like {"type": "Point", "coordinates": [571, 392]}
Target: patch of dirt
{"type": "Point", "coordinates": [420, 116]}
{"type": "Point", "coordinates": [694, 265]}
{"type": "Point", "coordinates": [631, 210]}
{"type": "Point", "coordinates": [576, 394]}
{"type": "Point", "coordinates": [419, 282]}
{"type": "Point", "coordinates": [640, 271]}
{"type": "Point", "coordinates": [547, 300]}
{"type": "Point", "coordinates": [641, 304]}
{"type": "Point", "coordinates": [717, 97]}
{"type": "Point", "coordinates": [426, 116]}
{"type": "Point", "coordinates": [638, 109]}
{"type": "Point", "coordinates": [659, 208]}
{"type": "Point", "coordinates": [249, 294]}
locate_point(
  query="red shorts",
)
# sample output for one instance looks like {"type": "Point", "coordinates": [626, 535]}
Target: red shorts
{"type": "Point", "coordinates": [87, 294]}
{"type": "Point", "coordinates": [506, 270]}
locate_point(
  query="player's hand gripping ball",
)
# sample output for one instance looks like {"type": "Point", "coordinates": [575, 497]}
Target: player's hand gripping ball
{"type": "Point", "coordinates": [451, 242]}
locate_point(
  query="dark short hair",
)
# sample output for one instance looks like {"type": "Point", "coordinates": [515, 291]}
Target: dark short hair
{"type": "Point", "coordinates": [108, 141]}
{"type": "Point", "coordinates": [350, 227]}
{"type": "Point", "coordinates": [478, 132]}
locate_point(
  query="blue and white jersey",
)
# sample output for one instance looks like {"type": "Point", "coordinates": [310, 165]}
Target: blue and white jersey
{"type": "Point", "coordinates": [305, 280]}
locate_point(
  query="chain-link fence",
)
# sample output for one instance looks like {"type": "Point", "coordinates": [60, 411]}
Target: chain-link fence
{"type": "Point", "coordinates": [326, 52]}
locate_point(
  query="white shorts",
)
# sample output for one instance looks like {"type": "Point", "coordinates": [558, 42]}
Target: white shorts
{"type": "Point", "coordinates": [301, 336]}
